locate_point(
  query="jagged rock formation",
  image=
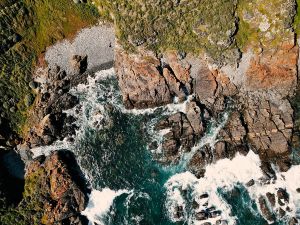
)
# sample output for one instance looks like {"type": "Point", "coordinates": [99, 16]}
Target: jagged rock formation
{"type": "Point", "coordinates": [47, 121]}
{"type": "Point", "coordinates": [64, 192]}
{"type": "Point", "coordinates": [231, 56]}
{"type": "Point", "coordinates": [255, 93]}
{"type": "Point", "coordinates": [27, 28]}
{"type": "Point", "coordinates": [258, 89]}
{"type": "Point", "coordinates": [55, 192]}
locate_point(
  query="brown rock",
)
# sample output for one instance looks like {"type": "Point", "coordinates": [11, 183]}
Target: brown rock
{"type": "Point", "coordinates": [79, 63]}
{"type": "Point", "coordinates": [271, 198]}
{"type": "Point", "coordinates": [194, 117]}
{"type": "Point", "coordinates": [276, 70]}
{"type": "Point", "coordinates": [146, 82]}
{"type": "Point", "coordinates": [201, 215]}
{"type": "Point", "coordinates": [265, 210]}
{"type": "Point", "coordinates": [250, 183]}
{"type": "Point", "coordinates": [283, 196]}
{"type": "Point", "coordinates": [140, 80]}
{"type": "Point", "coordinates": [63, 194]}
{"type": "Point", "coordinates": [220, 150]}
{"type": "Point", "coordinates": [293, 221]}
{"type": "Point", "coordinates": [205, 84]}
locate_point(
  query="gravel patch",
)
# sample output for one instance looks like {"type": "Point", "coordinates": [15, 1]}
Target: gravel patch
{"type": "Point", "coordinates": [96, 42]}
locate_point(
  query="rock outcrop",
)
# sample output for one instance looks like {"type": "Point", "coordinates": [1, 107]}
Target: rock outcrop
{"type": "Point", "coordinates": [182, 132]}
{"type": "Point", "coordinates": [47, 121]}
{"type": "Point", "coordinates": [147, 81]}
{"type": "Point", "coordinates": [57, 187]}
{"type": "Point", "coordinates": [253, 93]}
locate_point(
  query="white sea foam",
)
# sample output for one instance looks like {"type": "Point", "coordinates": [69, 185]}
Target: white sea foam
{"type": "Point", "coordinates": [226, 174]}
{"type": "Point", "coordinates": [93, 96]}
{"type": "Point", "coordinates": [100, 203]}
{"type": "Point", "coordinates": [46, 150]}
{"type": "Point", "coordinates": [288, 181]}
{"type": "Point", "coordinates": [91, 112]}
{"type": "Point", "coordinates": [168, 109]}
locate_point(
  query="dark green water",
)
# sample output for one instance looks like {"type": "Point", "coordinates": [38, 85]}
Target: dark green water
{"type": "Point", "coordinates": [116, 157]}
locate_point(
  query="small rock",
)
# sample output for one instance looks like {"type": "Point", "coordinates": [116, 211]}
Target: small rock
{"type": "Point", "coordinates": [281, 212]}
{"type": "Point", "coordinates": [293, 221]}
{"type": "Point", "coordinates": [195, 205]}
{"type": "Point", "coordinates": [250, 183]}
{"type": "Point", "coordinates": [79, 63]}
{"type": "Point", "coordinates": [201, 215]}
{"type": "Point", "coordinates": [221, 222]}
{"type": "Point", "coordinates": [271, 198]}
{"type": "Point", "coordinates": [5, 105]}
{"type": "Point", "coordinates": [29, 99]}
{"type": "Point", "coordinates": [283, 196]}
{"type": "Point", "coordinates": [214, 214]}
{"type": "Point", "coordinates": [204, 196]}
{"type": "Point", "coordinates": [13, 109]}
{"type": "Point", "coordinates": [179, 212]}
{"type": "Point", "coordinates": [265, 210]}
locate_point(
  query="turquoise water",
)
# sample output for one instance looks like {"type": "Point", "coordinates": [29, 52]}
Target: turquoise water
{"type": "Point", "coordinates": [115, 156]}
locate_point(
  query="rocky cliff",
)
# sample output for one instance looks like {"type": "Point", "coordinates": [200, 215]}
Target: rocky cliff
{"type": "Point", "coordinates": [231, 61]}
{"type": "Point", "coordinates": [55, 192]}
{"type": "Point", "coordinates": [237, 58]}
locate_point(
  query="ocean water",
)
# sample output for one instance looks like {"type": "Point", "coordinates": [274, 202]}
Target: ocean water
{"type": "Point", "coordinates": [130, 188]}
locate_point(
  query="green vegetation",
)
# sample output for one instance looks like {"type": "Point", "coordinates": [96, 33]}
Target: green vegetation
{"type": "Point", "coordinates": [219, 28]}
{"type": "Point", "coordinates": [184, 25]}
{"type": "Point", "coordinates": [30, 209]}
{"type": "Point", "coordinates": [27, 28]}
{"type": "Point", "coordinates": [260, 27]}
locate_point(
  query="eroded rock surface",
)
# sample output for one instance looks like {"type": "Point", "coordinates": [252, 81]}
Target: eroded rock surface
{"type": "Point", "coordinates": [47, 120]}
{"type": "Point", "coordinates": [254, 94]}
{"type": "Point", "coordinates": [57, 188]}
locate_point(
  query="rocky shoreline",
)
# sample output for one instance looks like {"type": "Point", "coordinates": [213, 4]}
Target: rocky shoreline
{"type": "Point", "coordinates": [256, 94]}
{"type": "Point", "coordinates": [260, 117]}
{"type": "Point", "coordinates": [251, 96]}
{"type": "Point", "coordinates": [52, 185]}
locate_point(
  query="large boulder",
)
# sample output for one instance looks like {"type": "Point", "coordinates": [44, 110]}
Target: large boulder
{"type": "Point", "coordinates": [57, 190]}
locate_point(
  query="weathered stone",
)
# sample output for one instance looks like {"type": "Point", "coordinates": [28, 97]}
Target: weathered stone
{"type": "Point", "coordinates": [265, 210]}
{"type": "Point", "coordinates": [250, 183]}
{"type": "Point", "coordinates": [140, 80]}
{"type": "Point", "coordinates": [201, 215]}
{"type": "Point", "coordinates": [271, 198]}
{"type": "Point", "coordinates": [274, 70]}
{"type": "Point", "coordinates": [283, 197]}
{"type": "Point", "coordinates": [64, 192]}
{"type": "Point", "coordinates": [293, 221]}
{"type": "Point", "coordinates": [79, 63]}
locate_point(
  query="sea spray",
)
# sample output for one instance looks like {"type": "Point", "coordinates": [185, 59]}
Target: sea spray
{"type": "Point", "coordinates": [111, 149]}
{"type": "Point", "coordinates": [227, 174]}
{"type": "Point", "coordinates": [100, 202]}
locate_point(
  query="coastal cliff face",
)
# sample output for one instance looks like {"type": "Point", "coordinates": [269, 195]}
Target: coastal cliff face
{"type": "Point", "coordinates": [256, 90]}
{"type": "Point", "coordinates": [232, 62]}
{"type": "Point", "coordinates": [54, 193]}
{"type": "Point", "coordinates": [245, 70]}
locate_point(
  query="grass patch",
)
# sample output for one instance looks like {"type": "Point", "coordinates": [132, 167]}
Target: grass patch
{"type": "Point", "coordinates": [187, 26]}
{"type": "Point", "coordinates": [27, 28]}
